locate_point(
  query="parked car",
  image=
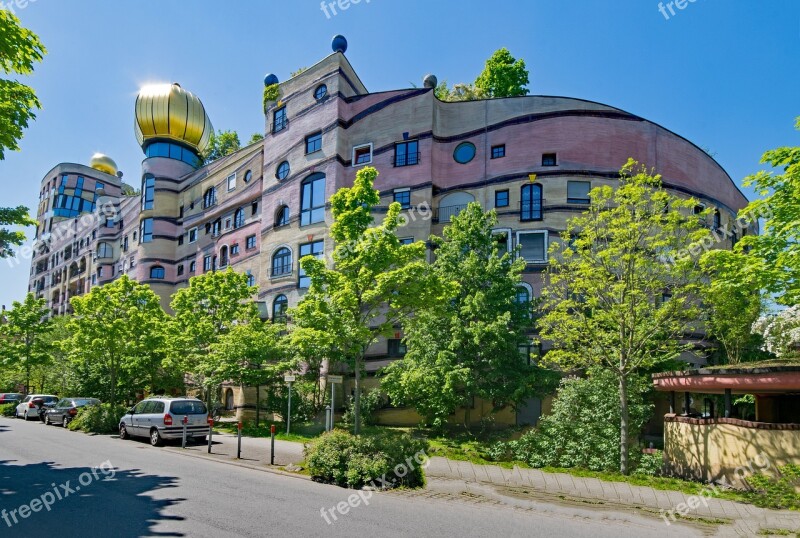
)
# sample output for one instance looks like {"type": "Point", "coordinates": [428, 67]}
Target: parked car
{"type": "Point", "coordinates": [65, 410]}
{"type": "Point", "coordinates": [161, 419]}
{"type": "Point", "coordinates": [30, 406]}
{"type": "Point", "coordinates": [10, 397]}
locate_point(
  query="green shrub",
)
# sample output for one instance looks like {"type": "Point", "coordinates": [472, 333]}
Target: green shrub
{"type": "Point", "coordinates": [583, 427]}
{"type": "Point", "coordinates": [370, 403]}
{"type": "Point", "coordinates": [8, 410]}
{"type": "Point", "coordinates": [103, 418]}
{"type": "Point", "coordinates": [650, 464]}
{"type": "Point", "coordinates": [381, 460]}
{"type": "Point", "coordinates": [777, 492]}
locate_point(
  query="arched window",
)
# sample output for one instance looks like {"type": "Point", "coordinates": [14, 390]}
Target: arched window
{"type": "Point", "coordinates": [157, 272]}
{"type": "Point", "coordinates": [279, 307]}
{"type": "Point", "coordinates": [104, 250]}
{"type": "Point", "coordinates": [223, 256]}
{"type": "Point", "coordinates": [229, 400]}
{"type": "Point", "coordinates": [148, 191]}
{"type": "Point", "coordinates": [531, 204]}
{"type": "Point", "coordinates": [282, 216]}
{"type": "Point", "coordinates": [238, 218]}
{"type": "Point", "coordinates": [312, 196]}
{"type": "Point", "coordinates": [282, 262]}
{"type": "Point", "coordinates": [523, 296]}
{"type": "Point", "coordinates": [210, 197]}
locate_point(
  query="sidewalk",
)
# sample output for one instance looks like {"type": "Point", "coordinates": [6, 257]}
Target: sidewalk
{"type": "Point", "coordinates": [255, 450]}
{"type": "Point", "coordinates": [746, 519]}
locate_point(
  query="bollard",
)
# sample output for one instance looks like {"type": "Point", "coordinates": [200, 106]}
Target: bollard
{"type": "Point", "coordinates": [239, 449]}
{"type": "Point", "coordinates": [328, 418]}
{"type": "Point", "coordinates": [272, 450]}
{"type": "Point", "coordinates": [210, 433]}
{"type": "Point", "coordinates": [185, 421]}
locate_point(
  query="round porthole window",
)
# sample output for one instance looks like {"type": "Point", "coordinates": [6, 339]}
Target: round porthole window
{"type": "Point", "coordinates": [283, 170]}
{"type": "Point", "coordinates": [320, 92]}
{"type": "Point", "coordinates": [464, 152]}
{"type": "Point", "coordinates": [248, 176]}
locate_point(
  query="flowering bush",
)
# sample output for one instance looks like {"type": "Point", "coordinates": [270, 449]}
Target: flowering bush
{"type": "Point", "coordinates": [781, 332]}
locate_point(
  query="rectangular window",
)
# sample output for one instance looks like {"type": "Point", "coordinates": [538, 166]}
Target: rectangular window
{"type": "Point", "coordinates": [193, 235]}
{"type": "Point", "coordinates": [250, 242]}
{"type": "Point", "coordinates": [180, 270]}
{"type": "Point", "coordinates": [254, 208]}
{"type": "Point", "coordinates": [146, 232]}
{"type": "Point", "coordinates": [406, 153]}
{"type": "Point", "coordinates": [549, 159]}
{"type": "Point", "coordinates": [362, 154]}
{"type": "Point", "coordinates": [206, 264]}
{"type": "Point", "coordinates": [498, 152]}
{"type": "Point", "coordinates": [180, 239]}
{"type": "Point", "coordinates": [406, 240]}
{"type": "Point", "coordinates": [192, 267]}
{"type": "Point", "coordinates": [503, 238]}
{"type": "Point", "coordinates": [313, 143]}
{"type": "Point", "coordinates": [231, 182]}
{"type": "Point", "coordinates": [228, 223]}
{"type": "Point", "coordinates": [501, 198]}
{"type": "Point", "coordinates": [235, 249]}
{"type": "Point", "coordinates": [533, 246]}
{"type": "Point", "coordinates": [578, 192]}
{"type": "Point", "coordinates": [396, 347]}
{"type": "Point", "coordinates": [279, 120]}
{"type": "Point", "coordinates": [315, 249]}
{"type": "Point", "coordinates": [180, 212]}
{"type": "Point", "coordinates": [125, 244]}
{"type": "Point", "coordinates": [403, 197]}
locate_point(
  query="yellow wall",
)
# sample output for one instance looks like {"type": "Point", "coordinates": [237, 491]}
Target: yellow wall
{"type": "Point", "coordinates": [712, 451]}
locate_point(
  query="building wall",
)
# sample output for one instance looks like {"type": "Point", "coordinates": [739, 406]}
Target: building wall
{"type": "Point", "coordinates": [711, 450]}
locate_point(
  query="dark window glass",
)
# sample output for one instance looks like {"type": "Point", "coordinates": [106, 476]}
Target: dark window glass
{"type": "Point", "coordinates": [549, 159]}
{"type": "Point", "coordinates": [279, 120]}
{"type": "Point", "coordinates": [254, 207]}
{"type": "Point", "coordinates": [312, 194]}
{"type": "Point", "coordinates": [578, 192]}
{"type": "Point", "coordinates": [248, 176]}
{"type": "Point", "coordinates": [282, 172]}
{"type": "Point", "coordinates": [279, 307]}
{"type": "Point", "coordinates": [192, 267]}
{"type": "Point", "coordinates": [498, 152]}
{"type": "Point", "coordinates": [464, 152]}
{"type": "Point", "coordinates": [188, 407]}
{"type": "Point", "coordinates": [406, 240]}
{"type": "Point", "coordinates": [238, 218]}
{"type": "Point", "coordinates": [362, 155]}
{"type": "Point", "coordinates": [282, 218]}
{"type": "Point", "coordinates": [501, 198]}
{"type": "Point", "coordinates": [313, 142]}
{"type": "Point", "coordinates": [146, 232]}
{"type": "Point", "coordinates": [210, 197]}
{"type": "Point", "coordinates": [320, 92]}
{"type": "Point", "coordinates": [157, 272]}
{"type": "Point", "coordinates": [148, 191]}
{"type": "Point", "coordinates": [180, 270]}
{"type": "Point", "coordinates": [406, 153]}
{"type": "Point", "coordinates": [282, 262]}
{"type": "Point", "coordinates": [403, 198]}
{"type": "Point", "coordinates": [206, 263]}
{"type": "Point", "coordinates": [396, 347]}
{"type": "Point", "coordinates": [531, 204]}
{"type": "Point", "coordinates": [250, 242]}
{"type": "Point", "coordinates": [309, 249]}
{"type": "Point", "coordinates": [533, 247]}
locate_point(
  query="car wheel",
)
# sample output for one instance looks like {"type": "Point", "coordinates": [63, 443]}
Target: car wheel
{"type": "Point", "coordinates": [65, 422]}
{"type": "Point", "coordinates": [155, 438]}
{"type": "Point", "coordinates": [46, 420]}
{"type": "Point", "coordinates": [123, 432]}
{"type": "Point", "coordinates": [25, 416]}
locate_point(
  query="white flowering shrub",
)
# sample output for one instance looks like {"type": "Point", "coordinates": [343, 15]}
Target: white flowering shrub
{"type": "Point", "coordinates": [781, 332]}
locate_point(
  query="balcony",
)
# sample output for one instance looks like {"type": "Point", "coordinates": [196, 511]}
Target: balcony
{"type": "Point", "coordinates": [530, 210]}
{"type": "Point", "coordinates": [406, 159]}
{"type": "Point", "coordinates": [443, 214]}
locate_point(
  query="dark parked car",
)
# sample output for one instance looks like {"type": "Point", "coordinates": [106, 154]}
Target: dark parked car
{"type": "Point", "coordinates": [10, 397]}
{"type": "Point", "coordinates": [65, 410]}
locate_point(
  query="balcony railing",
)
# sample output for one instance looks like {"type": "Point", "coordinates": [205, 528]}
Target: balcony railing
{"type": "Point", "coordinates": [443, 214]}
{"type": "Point", "coordinates": [406, 159]}
{"type": "Point", "coordinates": [530, 210]}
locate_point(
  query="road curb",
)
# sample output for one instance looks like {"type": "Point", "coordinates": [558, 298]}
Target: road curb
{"type": "Point", "coordinates": [236, 463]}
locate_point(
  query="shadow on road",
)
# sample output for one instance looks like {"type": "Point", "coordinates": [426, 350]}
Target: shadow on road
{"type": "Point", "coordinates": [81, 501]}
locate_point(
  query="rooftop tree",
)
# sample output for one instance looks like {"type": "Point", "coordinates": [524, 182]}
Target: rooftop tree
{"type": "Point", "coordinates": [623, 289]}
{"type": "Point", "coordinates": [374, 284]}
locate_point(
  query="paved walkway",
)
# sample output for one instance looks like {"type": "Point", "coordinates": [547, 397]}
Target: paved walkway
{"type": "Point", "coordinates": [255, 450]}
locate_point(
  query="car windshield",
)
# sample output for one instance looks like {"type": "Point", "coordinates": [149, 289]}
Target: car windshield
{"type": "Point", "coordinates": [188, 407]}
{"type": "Point", "coordinates": [81, 403]}
{"type": "Point", "coordinates": [49, 399]}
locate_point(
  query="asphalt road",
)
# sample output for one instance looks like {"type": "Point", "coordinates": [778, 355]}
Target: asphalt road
{"type": "Point", "coordinates": [64, 482]}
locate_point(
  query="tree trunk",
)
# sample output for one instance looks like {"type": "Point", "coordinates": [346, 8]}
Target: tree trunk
{"type": "Point", "coordinates": [623, 425]}
{"type": "Point", "coordinates": [258, 404]}
{"type": "Point", "coordinates": [357, 399]}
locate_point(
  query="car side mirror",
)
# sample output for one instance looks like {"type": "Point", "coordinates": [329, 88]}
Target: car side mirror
{"type": "Point", "coordinates": [132, 411]}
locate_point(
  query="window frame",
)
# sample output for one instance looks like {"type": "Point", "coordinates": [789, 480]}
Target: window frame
{"type": "Point", "coordinates": [301, 276]}
{"type": "Point", "coordinates": [281, 264]}
{"type": "Point", "coordinates": [158, 270]}
{"type": "Point", "coordinates": [508, 197]}
{"type": "Point", "coordinates": [465, 144]}
{"type": "Point", "coordinates": [228, 182]}
{"type": "Point", "coordinates": [498, 151]}
{"type": "Point", "coordinates": [545, 245]}
{"type": "Point", "coordinates": [404, 192]}
{"type": "Point", "coordinates": [316, 139]}
{"type": "Point", "coordinates": [279, 125]}
{"type": "Point", "coordinates": [546, 159]}
{"type": "Point", "coordinates": [247, 242]}
{"type": "Point", "coordinates": [406, 153]}
{"type": "Point", "coordinates": [579, 201]}
{"type": "Point", "coordinates": [278, 170]}
{"type": "Point", "coordinates": [354, 162]}
{"type": "Point", "coordinates": [307, 214]}
{"type": "Point", "coordinates": [529, 215]}
{"type": "Point", "coordinates": [193, 235]}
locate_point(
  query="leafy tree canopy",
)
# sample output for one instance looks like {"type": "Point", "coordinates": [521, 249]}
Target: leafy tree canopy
{"type": "Point", "coordinates": [24, 343]}
{"type": "Point", "coordinates": [13, 216]}
{"type": "Point", "coordinates": [221, 144]}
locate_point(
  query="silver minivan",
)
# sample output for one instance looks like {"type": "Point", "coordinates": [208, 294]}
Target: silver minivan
{"type": "Point", "coordinates": [162, 418]}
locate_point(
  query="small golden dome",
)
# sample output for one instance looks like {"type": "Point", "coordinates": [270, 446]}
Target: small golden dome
{"type": "Point", "coordinates": [104, 163]}
{"type": "Point", "coordinates": [168, 111]}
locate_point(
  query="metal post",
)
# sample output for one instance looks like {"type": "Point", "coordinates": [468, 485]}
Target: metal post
{"type": "Point", "coordinates": [289, 414]}
{"type": "Point", "coordinates": [272, 449]}
{"type": "Point", "coordinates": [185, 421]}
{"type": "Point", "coordinates": [239, 448]}
{"type": "Point", "coordinates": [328, 418]}
{"type": "Point", "coordinates": [333, 404]}
{"type": "Point", "coordinates": [727, 403]}
{"type": "Point", "coordinates": [210, 433]}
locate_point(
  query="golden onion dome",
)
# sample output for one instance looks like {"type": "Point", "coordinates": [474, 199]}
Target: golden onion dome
{"type": "Point", "coordinates": [104, 163]}
{"type": "Point", "coordinates": [167, 111]}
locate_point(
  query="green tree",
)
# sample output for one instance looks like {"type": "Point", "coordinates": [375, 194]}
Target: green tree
{"type": "Point", "coordinates": [503, 76]}
{"type": "Point", "coordinates": [777, 245]}
{"type": "Point", "coordinates": [255, 137]}
{"type": "Point", "coordinates": [20, 49]}
{"type": "Point", "coordinates": [116, 340]}
{"type": "Point", "coordinates": [221, 144]}
{"type": "Point", "coordinates": [375, 281]}
{"type": "Point", "coordinates": [623, 293]}
{"type": "Point", "coordinates": [459, 92]}
{"type": "Point", "coordinates": [732, 302]}
{"type": "Point", "coordinates": [25, 345]}
{"type": "Point", "coordinates": [468, 345]}
{"type": "Point", "coordinates": [205, 311]}
{"type": "Point", "coordinates": [12, 216]}
{"type": "Point", "coordinates": [57, 376]}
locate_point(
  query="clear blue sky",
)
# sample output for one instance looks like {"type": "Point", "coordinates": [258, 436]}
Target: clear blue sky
{"type": "Point", "coordinates": [724, 74]}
